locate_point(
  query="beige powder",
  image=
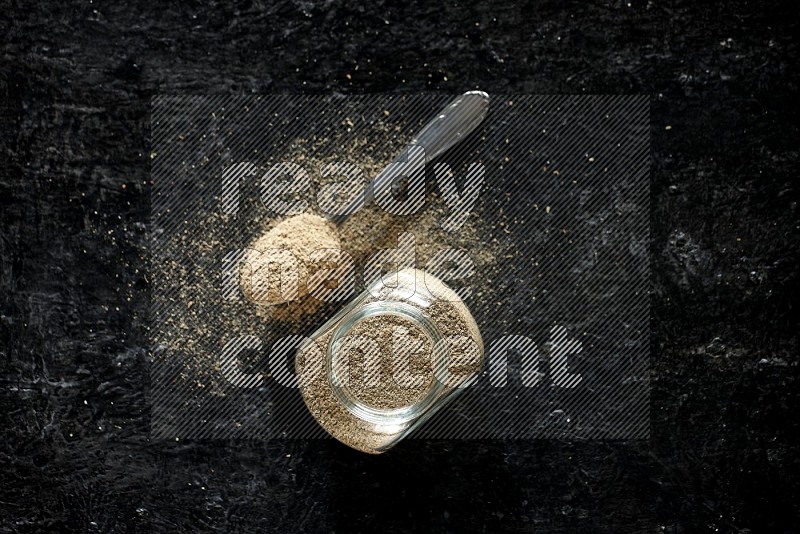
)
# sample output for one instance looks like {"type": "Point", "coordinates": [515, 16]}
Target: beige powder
{"type": "Point", "coordinates": [295, 238]}
{"type": "Point", "coordinates": [404, 370]}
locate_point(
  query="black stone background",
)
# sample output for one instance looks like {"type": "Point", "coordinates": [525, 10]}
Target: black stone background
{"type": "Point", "coordinates": [76, 82]}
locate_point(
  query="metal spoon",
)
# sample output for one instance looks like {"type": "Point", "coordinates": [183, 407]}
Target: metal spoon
{"type": "Point", "coordinates": [449, 127]}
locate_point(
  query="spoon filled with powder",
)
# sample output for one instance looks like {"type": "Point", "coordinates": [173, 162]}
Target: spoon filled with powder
{"type": "Point", "coordinates": [277, 266]}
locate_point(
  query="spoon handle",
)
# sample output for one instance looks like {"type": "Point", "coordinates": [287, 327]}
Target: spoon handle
{"type": "Point", "coordinates": [457, 120]}
{"type": "Point", "coordinates": [452, 124]}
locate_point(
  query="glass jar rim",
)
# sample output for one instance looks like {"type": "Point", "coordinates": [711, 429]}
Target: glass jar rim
{"type": "Point", "coordinates": [384, 416]}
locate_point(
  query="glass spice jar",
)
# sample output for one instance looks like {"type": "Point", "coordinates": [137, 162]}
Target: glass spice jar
{"type": "Point", "coordinates": [389, 360]}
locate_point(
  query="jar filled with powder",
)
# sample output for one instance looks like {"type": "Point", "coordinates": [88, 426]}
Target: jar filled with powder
{"type": "Point", "coordinates": [389, 360]}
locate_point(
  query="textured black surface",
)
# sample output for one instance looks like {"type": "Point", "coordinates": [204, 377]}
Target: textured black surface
{"type": "Point", "coordinates": [76, 82]}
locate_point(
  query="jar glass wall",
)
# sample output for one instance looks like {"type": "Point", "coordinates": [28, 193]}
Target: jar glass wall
{"type": "Point", "coordinates": [389, 360]}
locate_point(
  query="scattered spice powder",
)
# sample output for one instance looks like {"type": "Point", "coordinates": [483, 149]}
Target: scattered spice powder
{"type": "Point", "coordinates": [191, 336]}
